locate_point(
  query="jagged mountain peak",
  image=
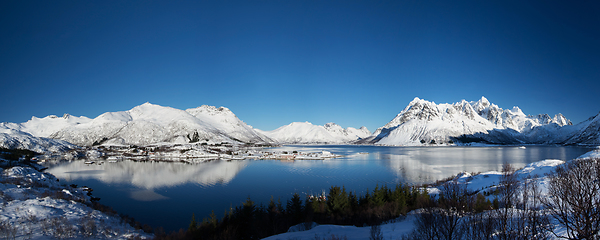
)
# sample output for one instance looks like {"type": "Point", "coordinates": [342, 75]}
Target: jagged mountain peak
{"type": "Point", "coordinates": [417, 100]}
{"type": "Point", "coordinates": [562, 120]}
{"type": "Point", "coordinates": [483, 106]}
{"type": "Point", "coordinates": [484, 101]}
{"type": "Point", "coordinates": [423, 121]}
{"type": "Point", "coordinates": [517, 111]}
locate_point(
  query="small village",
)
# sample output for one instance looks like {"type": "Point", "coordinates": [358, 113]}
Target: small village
{"type": "Point", "coordinates": [188, 153]}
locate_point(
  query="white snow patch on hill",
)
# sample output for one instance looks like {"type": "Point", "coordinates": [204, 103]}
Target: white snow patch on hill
{"type": "Point", "coordinates": [307, 133]}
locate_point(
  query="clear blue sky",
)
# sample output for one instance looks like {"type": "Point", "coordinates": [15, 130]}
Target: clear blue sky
{"type": "Point", "coordinates": [275, 62]}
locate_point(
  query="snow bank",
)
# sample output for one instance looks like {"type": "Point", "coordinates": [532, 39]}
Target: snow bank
{"type": "Point", "coordinates": [391, 230]}
{"type": "Point", "coordinates": [36, 206]}
{"type": "Point", "coordinates": [590, 154]}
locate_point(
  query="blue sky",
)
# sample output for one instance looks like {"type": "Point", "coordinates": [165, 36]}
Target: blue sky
{"type": "Point", "coordinates": [275, 62]}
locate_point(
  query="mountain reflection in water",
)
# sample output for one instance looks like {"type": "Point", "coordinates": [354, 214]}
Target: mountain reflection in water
{"type": "Point", "coordinates": [151, 175]}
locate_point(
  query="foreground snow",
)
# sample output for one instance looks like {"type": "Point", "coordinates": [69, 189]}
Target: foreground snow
{"type": "Point", "coordinates": [391, 230]}
{"type": "Point", "coordinates": [36, 206]}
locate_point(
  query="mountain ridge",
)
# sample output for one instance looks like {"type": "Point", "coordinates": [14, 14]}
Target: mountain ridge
{"type": "Point", "coordinates": [144, 124]}
{"type": "Point", "coordinates": [421, 122]}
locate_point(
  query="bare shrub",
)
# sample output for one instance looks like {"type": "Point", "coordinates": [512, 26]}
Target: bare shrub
{"type": "Point", "coordinates": [58, 227]}
{"type": "Point", "coordinates": [508, 191]}
{"type": "Point", "coordinates": [375, 232]}
{"type": "Point", "coordinates": [7, 231]}
{"type": "Point", "coordinates": [87, 226]}
{"type": "Point", "coordinates": [480, 226]}
{"type": "Point", "coordinates": [574, 198]}
{"type": "Point", "coordinates": [531, 222]}
{"type": "Point", "coordinates": [438, 223]}
{"type": "Point", "coordinates": [30, 222]}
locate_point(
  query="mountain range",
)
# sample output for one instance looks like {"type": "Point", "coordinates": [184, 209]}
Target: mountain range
{"type": "Point", "coordinates": [424, 122]}
{"type": "Point", "coordinates": [420, 123]}
{"type": "Point", "coordinates": [145, 124]}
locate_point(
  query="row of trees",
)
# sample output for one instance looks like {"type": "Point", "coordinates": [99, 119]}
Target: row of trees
{"type": "Point", "coordinates": [251, 221]}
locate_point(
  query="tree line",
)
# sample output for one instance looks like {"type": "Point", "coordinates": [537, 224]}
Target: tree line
{"type": "Point", "coordinates": [339, 206]}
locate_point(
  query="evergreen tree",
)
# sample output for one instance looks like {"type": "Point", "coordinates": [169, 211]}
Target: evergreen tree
{"type": "Point", "coordinates": [295, 209]}
{"type": "Point", "coordinates": [193, 225]}
{"type": "Point", "coordinates": [337, 200]}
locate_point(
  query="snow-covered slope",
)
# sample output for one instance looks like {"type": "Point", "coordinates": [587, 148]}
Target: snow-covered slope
{"type": "Point", "coordinates": [15, 139]}
{"type": "Point", "coordinates": [224, 120]}
{"type": "Point", "coordinates": [307, 133]}
{"type": "Point", "coordinates": [586, 132]}
{"type": "Point", "coordinates": [44, 127]}
{"type": "Point", "coordinates": [425, 122]}
{"type": "Point", "coordinates": [145, 124]}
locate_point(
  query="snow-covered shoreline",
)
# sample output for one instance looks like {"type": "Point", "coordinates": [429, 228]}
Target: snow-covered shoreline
{"type": "Point", "coordinates": [36, 206]}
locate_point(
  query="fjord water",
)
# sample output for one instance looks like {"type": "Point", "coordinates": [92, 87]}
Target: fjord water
{"type": "Point", "coordinates": [167, 194]}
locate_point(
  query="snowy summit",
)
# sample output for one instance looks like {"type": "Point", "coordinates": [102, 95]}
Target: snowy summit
{"type": "Point", "coordinates": [425, 122]}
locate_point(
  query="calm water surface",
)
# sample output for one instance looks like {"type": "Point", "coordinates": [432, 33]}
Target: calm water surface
{"type": "Point", "coordinates": [166, 194]}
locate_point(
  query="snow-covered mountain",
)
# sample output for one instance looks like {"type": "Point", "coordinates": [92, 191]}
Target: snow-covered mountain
{"type": "Point", "coordinates": [586, 132]}
{"type": "Point", "coordinates": [425, 122]}
{"type": "Point", "coordinates": [145, 124]}
{"type": "Point", "coordinates": [225, 121]}
{"type": "Point", "coordinates": [307, 133]}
